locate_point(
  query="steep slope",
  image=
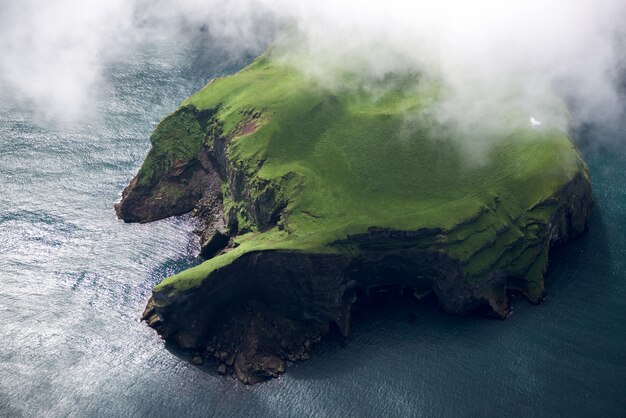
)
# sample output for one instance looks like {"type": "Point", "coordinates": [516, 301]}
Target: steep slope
{"type": "Point", "coordinates": [310, 197]}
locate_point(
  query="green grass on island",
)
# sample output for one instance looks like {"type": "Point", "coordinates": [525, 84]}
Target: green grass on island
{"type": "Point", "coordinates": [342, 161]}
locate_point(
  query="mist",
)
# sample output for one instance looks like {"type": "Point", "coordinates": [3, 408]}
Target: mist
{"type": "Point", "coordinates": [485, 52]}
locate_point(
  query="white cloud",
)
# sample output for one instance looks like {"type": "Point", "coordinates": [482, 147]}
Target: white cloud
{"type": "Point", "coordinates": [52, 53]}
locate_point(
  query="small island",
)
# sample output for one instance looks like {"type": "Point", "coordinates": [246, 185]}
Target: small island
{"type": "Point", "coordinates": [311, 197]}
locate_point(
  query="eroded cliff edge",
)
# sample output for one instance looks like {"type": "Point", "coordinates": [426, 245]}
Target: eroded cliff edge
{"type": "Point", "coordinates": [308, 199]}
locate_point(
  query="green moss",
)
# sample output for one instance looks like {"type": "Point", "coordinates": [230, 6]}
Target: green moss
{"type": "Point", "coordinates": [342, 161]}
{"type": "Point", "coordinates": [177, 138]}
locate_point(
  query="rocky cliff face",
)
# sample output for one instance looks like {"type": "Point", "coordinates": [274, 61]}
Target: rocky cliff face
{"type": "Point", "coordinates": [175, 175]}
{"type": "Point", "coordinates": [270, 307]}
{"type": "Point", "coordinates": [287, 263]}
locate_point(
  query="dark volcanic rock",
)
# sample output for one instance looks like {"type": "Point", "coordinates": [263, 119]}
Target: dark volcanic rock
{"type": "Point", "coordinates": [272, 315]}
{"type": "Point", "coordinates": [141, 203]}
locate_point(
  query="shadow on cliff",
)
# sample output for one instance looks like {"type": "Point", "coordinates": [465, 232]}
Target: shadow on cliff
{"type": "Point", "coordinates": [387, 327]}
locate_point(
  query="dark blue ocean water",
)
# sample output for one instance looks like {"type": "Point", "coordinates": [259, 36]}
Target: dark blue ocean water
{"type": "Point", "coordinates": [74, 281]}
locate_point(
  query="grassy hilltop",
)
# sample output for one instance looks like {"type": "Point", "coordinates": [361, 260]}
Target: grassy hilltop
{"type": "Point", "coordinates": [346, 161]}
{"type": "Point", "coordinates": [304, 169]}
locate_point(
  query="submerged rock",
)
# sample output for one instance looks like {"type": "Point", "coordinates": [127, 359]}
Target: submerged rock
{"type": "Point", "coordinates": [222, 369]}
{"type": "Point", "coordinates": [310, 199]}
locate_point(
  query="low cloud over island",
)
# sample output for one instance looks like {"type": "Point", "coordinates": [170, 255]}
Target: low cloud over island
{"type": "Point", "coordinates": [54, 54]}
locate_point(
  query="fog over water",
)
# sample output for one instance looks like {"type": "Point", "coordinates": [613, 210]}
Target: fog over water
{"type": "Point", "coordinates": [74, 280]}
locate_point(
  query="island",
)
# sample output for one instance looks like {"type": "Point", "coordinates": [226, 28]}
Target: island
{"type": "Point", "coordinates": [312, 196]}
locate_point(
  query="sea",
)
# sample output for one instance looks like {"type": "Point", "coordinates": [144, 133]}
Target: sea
{"type": "Point", "coordinates": [74, 281]}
